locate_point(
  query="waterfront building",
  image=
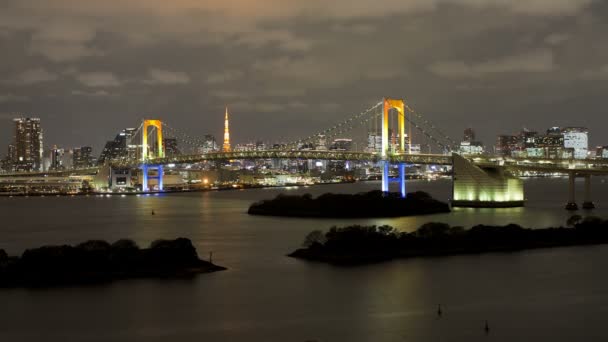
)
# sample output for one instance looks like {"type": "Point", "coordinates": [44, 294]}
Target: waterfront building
{"type": "Point", "coordinates": [342, 144]}
{"type": "Point", "coordinates": [528, 138]}
{"type": "Point", "coordinates": [82, 157]}
{"type": "Point", "coordinates": [28, 148]}
{"type": "Point", "coordinates": [535, 152]}
{"type": "Point", "coordinates": [576, 139]}
{"type": "Point", "coordinates": [469, 135]}
{"type": "Point", "coordinates": [552, 144]}
{"type": "Point", "coordinates": [56, 158]}
{"type": "Point", "coordinates": [468, 145]}
{"type": "Point", "coordinates": [601, 152]}
{"type": "Point", "coordinates": [507, 145]}
{"type": "Point", "coordinates": [470, 148]}
{"type": "Point", "coordinates": [67, 159]}
{"type": "Point", "coordinates": [122, 147]}
{"type": "Point", "coordinates": [374, 142]}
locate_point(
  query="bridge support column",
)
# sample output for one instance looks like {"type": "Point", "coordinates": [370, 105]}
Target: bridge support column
{"type": "Point", "coordinates": [402, 180]}
{"type": "Point", "coordinates": [588, 203]}
{"type": "Point", "coordinates": [571, 205]}
{"type": "Point", "coordinates": [385, 175]}
{"type": "Point", "coordinates": [144, 177]}
{"type": "Point", "coordinates": [160, 177]}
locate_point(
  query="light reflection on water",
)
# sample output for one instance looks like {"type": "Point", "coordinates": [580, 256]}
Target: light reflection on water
{"type": "Point", "coordinates": [554, 294]}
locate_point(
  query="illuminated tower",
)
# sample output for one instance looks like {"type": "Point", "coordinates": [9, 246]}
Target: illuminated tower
{"type": "Point", "coordinates": [226, 146]}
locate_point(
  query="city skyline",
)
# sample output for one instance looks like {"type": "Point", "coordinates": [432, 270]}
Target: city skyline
{"type": "Point", "coordinates": [504, 144]}
{"type": "Point", "coordinates": [318, 68]}
{"type": "Point", "coordinates": [303, 170]}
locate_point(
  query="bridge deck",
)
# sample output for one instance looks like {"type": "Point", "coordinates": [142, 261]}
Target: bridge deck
{"type": "Point", "coordinates": [582, 166]}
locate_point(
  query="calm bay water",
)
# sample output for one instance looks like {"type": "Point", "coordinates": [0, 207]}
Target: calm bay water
{"type": "Point", "coordinates": [556, 294]}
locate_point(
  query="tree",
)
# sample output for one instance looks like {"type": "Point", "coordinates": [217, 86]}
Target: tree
{"type": "Point", "coordinates": [574, 220]}
{"type": "Point", "coordinates": [432, 230]}
{"type": "Point", "coordinates": [386, 230]}
{"type": "Point", "coordinates": [313, 238]}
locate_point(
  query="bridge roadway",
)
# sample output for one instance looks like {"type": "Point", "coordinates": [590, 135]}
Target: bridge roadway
{"type": "Point", "coordinates": [563, 166]}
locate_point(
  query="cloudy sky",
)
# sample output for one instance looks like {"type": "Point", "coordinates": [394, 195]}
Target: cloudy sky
{"type": "Point", "coordinates": [291, 67]}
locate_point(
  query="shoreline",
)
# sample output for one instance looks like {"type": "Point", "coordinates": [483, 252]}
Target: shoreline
{"type": "Point", "coordinates": [371, 204]}
{"type": "Point", "coordinates": [355, 245]}
{"type": "Point", "coordinates": [98, 262]}
{"type": "Point", "coordinates": [155, 193]}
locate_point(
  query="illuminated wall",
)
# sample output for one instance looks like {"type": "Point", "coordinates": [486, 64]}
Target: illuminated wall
{"type": "Point", "coordinates": [477, 187]}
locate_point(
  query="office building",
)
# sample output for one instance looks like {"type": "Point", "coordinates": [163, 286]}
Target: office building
{"type": "Point", "coordinates": [82, 157]}
{"type": "Point", "coordinates": [576, 139]}
{"type": "Point", "coordinates": [28, 148]}
{"type": "Point", "coordinates": [121, 148]}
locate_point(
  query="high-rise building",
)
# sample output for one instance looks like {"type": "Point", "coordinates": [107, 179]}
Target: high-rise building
{"type": "Point", "coordinates": [170, 146]}
{"type": "Point", "coordinates": [12, 153]}
{"type": "Point", "coordinates": [122, 147]}
{"type": "Point", "coordinates": [82, 157]}
{"type": "Point", "coordinates": [470, 146]}
{"type": "Point", "coordinates": [528, 138]}
{"type": "Point", "coordinates": [576, 139]}
{"type": "Point", "coordinates": [28, 144]}
{"type": "Point", "coordinates": [226, 146]}
{"type": "Point", "coordinates": [56, 156]}
{"type": "Point", "coordinates": [209, 144]}
{"type": "Point", "coordinates": [551, 144]}
{"type": "Point", "coordinates": [507, 144]}
{"type": "Point", "coordinates": [7, 164]}
{"type": "Point", "coordinates": [374, 142]}
{"type": "Point", "coordinates": [469, 135]}
{"type": "Point", "coordinates": [67, 159]}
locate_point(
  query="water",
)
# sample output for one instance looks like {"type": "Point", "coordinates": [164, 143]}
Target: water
{"type": "Point", "coordinates": [556, 294]}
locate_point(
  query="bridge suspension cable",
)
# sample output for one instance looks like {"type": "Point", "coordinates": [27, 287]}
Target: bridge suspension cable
{"type": "Point", "coordinates": [451, 142]}
{"type": "Point", "coordinates": [186, 138]}
{"type": "Point", "coordinates": [339, 128]}
{"type": "Point", "coordinates": [427, 134]}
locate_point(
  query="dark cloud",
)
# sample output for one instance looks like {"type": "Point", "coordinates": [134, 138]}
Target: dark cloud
{"type": "Point", "coordinates": [288, 67]}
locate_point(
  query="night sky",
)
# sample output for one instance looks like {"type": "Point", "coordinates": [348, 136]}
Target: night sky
{"type": "Point", "coordinates": [287, 68]}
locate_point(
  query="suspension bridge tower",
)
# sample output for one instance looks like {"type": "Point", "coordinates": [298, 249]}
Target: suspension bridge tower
{"type": "Point", "coordinates": [398, 105]}
{"type": "Point", "coordinates": [147, 158]}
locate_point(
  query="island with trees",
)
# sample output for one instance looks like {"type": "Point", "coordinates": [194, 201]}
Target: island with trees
{"type": "Point", "coordinates": [367, 204]}
{"type": "Point", "coordinates": [98, 261]}
{"type": "Point", "coordinates": [365, 244]}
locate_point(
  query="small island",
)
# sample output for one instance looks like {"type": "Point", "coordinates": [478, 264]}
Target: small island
{"type": "Point", "coordinates": [97, 261]}
{"type": "Point", "coordinates": [361, 205]}
{"type": "Point", "coordinates": [365, 244]}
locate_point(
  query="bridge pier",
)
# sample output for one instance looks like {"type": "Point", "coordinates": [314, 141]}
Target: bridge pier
{"type": "Point", "coordinates": [571, 205]}
{"type": "Point", "coordinates": [386, 179]}
{"type": "Point", "coordinates": [402, 180]}
{"type": "Point", "coordinates": [385, 175]}
{"type": "Point", "coordinates": [588, 203]}
{"type": "Point", "coordinates": [145, 176]}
